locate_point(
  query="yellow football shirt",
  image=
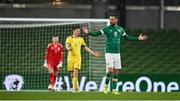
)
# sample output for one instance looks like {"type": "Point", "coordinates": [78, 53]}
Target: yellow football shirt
{"type": "Point", "coordinates": [75, 44]}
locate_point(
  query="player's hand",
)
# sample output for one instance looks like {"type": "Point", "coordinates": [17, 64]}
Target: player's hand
{"type": "Point", "coordinates": [85, 29]}
{"type": "Point", "coordinates": [69, 49]}
{"type": "Point", "coordinates": [59, 65]}
{"type": "Point", "coordinates": [45, 64]}
{"type": "Point", "coordinates": [97, 54]}
{"type": "Point", "coordinates": [142, 37]}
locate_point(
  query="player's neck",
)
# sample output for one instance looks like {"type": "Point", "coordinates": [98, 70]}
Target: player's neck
{"type": "Point", "coordinates": [113, 25]}
{"type": "Point", "coordinates": [55, 43]}
{"type": "Point", "coordinates": [75, 36]}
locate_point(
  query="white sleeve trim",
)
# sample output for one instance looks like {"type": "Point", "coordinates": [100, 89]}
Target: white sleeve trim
{"type": "Point", "coordinates": [102, 31]}
{"type": "Point", "coordinates": [124, 34]}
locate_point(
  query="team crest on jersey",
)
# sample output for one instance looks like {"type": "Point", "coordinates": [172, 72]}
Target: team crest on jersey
{"type": "Point", "coordinates": [115, 33]}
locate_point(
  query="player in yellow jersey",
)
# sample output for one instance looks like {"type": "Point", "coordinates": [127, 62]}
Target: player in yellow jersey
{"type": "Point", "coordinates": [73, 46]}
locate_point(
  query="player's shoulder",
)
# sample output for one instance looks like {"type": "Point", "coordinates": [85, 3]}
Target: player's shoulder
{"type": "Point", "coordinates": [69, 37]}
{"type": "Point", "coordinates": [119, 27]}
{"type": "Point", "coordinates": [108, 26]}
{"type": "Point", "coordinates": [81, 38]}
{"type": "Point", "coordinates": [59, 44]}
{"type": "Point", "coordinates": [49, 45]}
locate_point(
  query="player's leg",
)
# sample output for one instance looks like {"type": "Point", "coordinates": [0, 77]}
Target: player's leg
{"type": "Point", "coordinates": [56, 72]}
{"type": "Point", "coordinates": [114, 81]}
{"type": "Point", "coordinates": [51, 76]}
{"type": "Point", "coordinates": [116, 70]}
{"type": "Point", "coordinates": [70, 65]}
{"type": "Point", "coordinates": [70, 74]}
{"type": "Point", "coordinates": [77, 67]}
{"type": "Point", "coordinates": [108, 75]}
{"type": "Point", "coordinates": [109, 70]}
{"type": "Point", "coordinates": [108, 78]}
{"type": "Point", "coordinates": [109, 67]}
{"type": "Point", "coordinates": [75, 79]}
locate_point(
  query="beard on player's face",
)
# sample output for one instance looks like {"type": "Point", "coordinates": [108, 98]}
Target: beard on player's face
{"type": "Point", "coordinates": [112, 23]}
{"type": "Point", "coordinates": [113, 20]}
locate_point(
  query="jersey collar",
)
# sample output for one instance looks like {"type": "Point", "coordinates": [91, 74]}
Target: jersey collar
{"type": "Point", "coordinates": [73, 37]}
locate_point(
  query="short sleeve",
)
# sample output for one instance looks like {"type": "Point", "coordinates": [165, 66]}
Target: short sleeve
{"type": "Point", "coordinates": [123, 32]}
{"type": "Point", "coordinates": [83, 42]}
{"type": "Point", "coordinates": [103, 30]}
{"type": "Point", "coordinates": [68, 40]}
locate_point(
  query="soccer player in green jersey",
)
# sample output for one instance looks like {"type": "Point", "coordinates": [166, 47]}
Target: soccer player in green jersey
{"type": "Point", "coordinates": [113, 33]}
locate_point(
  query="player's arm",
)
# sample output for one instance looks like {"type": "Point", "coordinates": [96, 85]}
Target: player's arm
{"type": "Point", "coordinates": [68, 47]}
{"type": "Point", "coordinates": [46, 57]}
{"type": "Point", "coordinates": [95, 33]}
{"type": "Point", "coordinates": [92, 52]}
{"type": "Point", "coordinates": [89, 50]}
{"type": "Point", "coordinates": [60, 57]}
{"type": "Point", "coordinates": [127, 37]}
{"type": "Point", "coordinates": [132, 38]}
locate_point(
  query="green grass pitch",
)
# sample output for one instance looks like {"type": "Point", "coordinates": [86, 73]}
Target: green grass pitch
{"type": "Point", "coordinates": [45, 95]}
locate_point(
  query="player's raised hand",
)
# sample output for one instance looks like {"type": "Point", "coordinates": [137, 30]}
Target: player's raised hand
{"type": "Point", "coordinates": [142, 37]}
{"type": "Point", "coordinates": [97, 54]}
{"type": "Point", "coordinates": [85, 29]}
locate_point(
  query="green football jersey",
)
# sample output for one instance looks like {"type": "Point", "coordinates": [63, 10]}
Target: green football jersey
{"type": "Point", "coordinates": [113, 37]}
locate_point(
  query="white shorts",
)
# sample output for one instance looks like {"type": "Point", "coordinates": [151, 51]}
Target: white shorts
{"type": "Point", "coordinates": [113, 60]}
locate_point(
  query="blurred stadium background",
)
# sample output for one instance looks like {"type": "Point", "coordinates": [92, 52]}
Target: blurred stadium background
{"type": "Point", "coordinates": [22, 44]}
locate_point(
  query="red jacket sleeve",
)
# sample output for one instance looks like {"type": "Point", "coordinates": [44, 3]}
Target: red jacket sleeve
{"type": "Point", "coordinates": [61, 53]}
{"type": "Point", "coordinates": [47, 53]}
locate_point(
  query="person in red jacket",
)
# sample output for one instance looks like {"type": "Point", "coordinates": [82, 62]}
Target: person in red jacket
{"type": "Point", "coordinates": [53, 60]}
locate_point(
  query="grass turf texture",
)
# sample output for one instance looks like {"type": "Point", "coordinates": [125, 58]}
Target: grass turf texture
{"type": "Point", "coordinates": [33, 95]}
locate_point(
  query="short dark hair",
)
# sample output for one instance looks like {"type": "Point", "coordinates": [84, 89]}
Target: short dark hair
{"type": "Point", "coordinates": [55, 35]}
{"type": "Point", "coordinates": [114, 16]}
{"type": "Point", "coordinates": [75, 27]}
